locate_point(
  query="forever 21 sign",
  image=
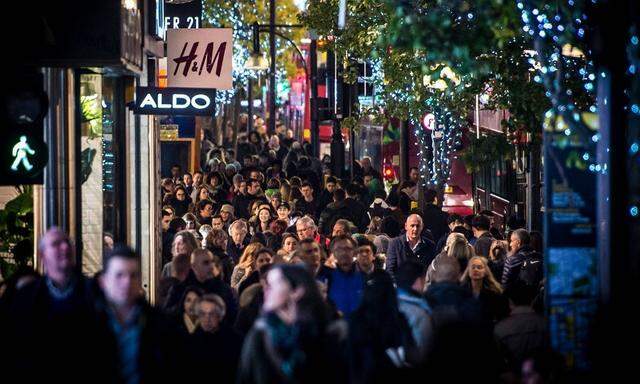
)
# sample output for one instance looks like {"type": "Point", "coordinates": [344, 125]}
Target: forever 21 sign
{"type": "Point", "coordinates": [174, 101]}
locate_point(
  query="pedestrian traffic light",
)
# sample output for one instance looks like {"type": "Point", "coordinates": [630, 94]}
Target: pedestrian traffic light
{"type": "Point", "coordinates": [23, 153]}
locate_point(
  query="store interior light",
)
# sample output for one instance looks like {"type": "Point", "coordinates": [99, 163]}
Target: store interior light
{"type": "Point", "coordinates": [305, 40]}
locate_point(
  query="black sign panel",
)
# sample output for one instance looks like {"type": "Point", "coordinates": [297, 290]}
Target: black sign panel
{"type": "Point", "coordinates": [183, 15]}
{"type": "Point", "coordinates": [174, 101]}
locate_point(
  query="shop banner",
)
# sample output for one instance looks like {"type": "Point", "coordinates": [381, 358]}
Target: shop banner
{"type": "Point", "coordinates": [200, 58]}
{"type": "Point", "coordinates": [174, 101]}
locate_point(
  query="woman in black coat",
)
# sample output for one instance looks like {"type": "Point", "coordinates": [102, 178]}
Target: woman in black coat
{"type": "Point", "coordinates": [480, 281]}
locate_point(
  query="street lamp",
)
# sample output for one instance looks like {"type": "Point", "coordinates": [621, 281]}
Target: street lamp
{"type": "Point", "coordinates": [256, 62]}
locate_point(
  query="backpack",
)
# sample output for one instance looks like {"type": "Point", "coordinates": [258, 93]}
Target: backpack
{"type": "Point", "coordinates": [532, 270]}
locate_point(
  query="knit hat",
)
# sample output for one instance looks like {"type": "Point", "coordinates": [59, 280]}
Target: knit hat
{"type": "Point", "coordinates": [227, 208]}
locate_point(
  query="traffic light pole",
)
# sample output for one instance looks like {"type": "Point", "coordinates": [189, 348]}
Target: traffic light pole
{"type": "Point", "coordinates": [313, 58]}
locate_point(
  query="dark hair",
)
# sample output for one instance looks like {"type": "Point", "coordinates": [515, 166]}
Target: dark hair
{"type": "Point", "coordinates": [481, 222]}
{"type": "Point", "coordinates": [430, 195]}
{"type": "Point", "coordinates": [362, 241]}
{"type": "Point", "coordinates": [216, 216]}
{"type": "Point", "coordinates": [521, 294]}
{"type": "Point", "coordinates": [377, 318]}
{"type": "Point", "coordinates": [177, 223]}
{"type": "Point", "coordinates": [352, 189]}
{"type": "Point", "coordinates": [342, 238]}
{"type": "Point", "coordinates": [468, 220]}
{"type": "Point", "coordinates": [266, 250]}
{"type": "Point", "coordinates": [165, 213]}
{"type": "Point", "coordinates": [176, 166]}
{"type": "Point", "coordinates": [119, 250]}
{"type": "Point", "coordinates": [390, 226]}
{"type": "Point", "coordinates": [331, 179]}
{"type": "Point", "coordinates": [202, 204]}
{"type": "Point", "coordinates": [285, 204]}
{"type": "Point", "coordinates": [306, 184]}
{"type": "Point", "coordinates": [408, 272]}
{"type": "Point", "coordinates": [180, 308]}
{"type": "Point", "coordinates": [187, 173]}
{"type": "Point", "coordinates": [311, 308]}
{"type": "Point", "coordinates": [273, 183]}
{"type": "Point", "coordinates": [339, 195]}
{"type": "Point", "coordinates": [536, 241]}
{"type": "Point", "coordinates": [453, 218]}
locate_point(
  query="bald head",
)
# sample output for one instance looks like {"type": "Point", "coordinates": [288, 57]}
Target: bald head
{"type": "Point", "coordinates": [447, 270]}
{"type": "Point", "coordinates": [414, 227]}
{"type": "Point", "coordinates": [57, 256]}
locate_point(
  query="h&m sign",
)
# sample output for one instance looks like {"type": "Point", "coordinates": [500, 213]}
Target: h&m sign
{"type": "Point", "coordinates": [174, 101]}
{"type": "Point", "coordinates": [200, 58]}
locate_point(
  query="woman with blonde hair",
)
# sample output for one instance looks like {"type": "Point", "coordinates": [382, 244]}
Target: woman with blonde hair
{"type": "Point", "coordinates": [484, 287]}
{"type": "Point", "coordinates": [456, 247]}
{"type": "Point", "coordinates": [246, 264]}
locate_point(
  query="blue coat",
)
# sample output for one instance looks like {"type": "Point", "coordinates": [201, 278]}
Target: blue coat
{"type": "Point", "coordinates": [345, 289]}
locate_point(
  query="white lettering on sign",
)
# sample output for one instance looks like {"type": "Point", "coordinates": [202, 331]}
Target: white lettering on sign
{"type": "Point", "coordinates": [178, 101]}
{"type": "Point", "coordinates": [175, 22]}
{"type": "Point", "coordinates": [200, 58]}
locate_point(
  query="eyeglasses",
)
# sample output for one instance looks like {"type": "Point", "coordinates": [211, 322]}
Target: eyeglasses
{"type": "Point", "coordinates": [304, 229]}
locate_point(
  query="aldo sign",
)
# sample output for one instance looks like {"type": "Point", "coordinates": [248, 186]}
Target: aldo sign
{"type": "Point", "coordinates": [174, 101]}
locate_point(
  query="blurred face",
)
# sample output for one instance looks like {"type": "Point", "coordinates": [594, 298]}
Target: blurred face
{"type": "Point", "coordinates": [209, 316]}
{"type": "Point", "coordinates": [477, 271]}
{"type": "Point", "coordinates": [187, 179]}
{"type": "Point", "coordinates": [255, 175]}
{"type": "Point", "coordinates": [225, 215]}
{"type": "Point", "coordinates": [263, 259]}
{"type": "Point", "coordinates": [275, 202]}
{"type": "Point", "coordinates": [514, 242]}
{"type": "Point", "coordinates": [289, 244]}
{"type": "Point", "coordinates": [264, 216]}
{"type": "Point", "coordinates": [197, 178]}
{"type": "Point", "coordinates": [238, 235]}
{"type": "Point", "coordinates": [204, 194]}
{"type": "Point", "coordinates": [343, 252]}
{"type": "Point", "coordinates": [203, 266]}
{"type": "Point", "coordinates": [413, 226]}
{"type": "Point", "coordinates": [217, 223]}
{"type": "Point", "coordinates": [307, 192]}
{"type": "Point", "coordinates": [338, 229]}
{"type": "Point", "coordinates": [121, 281]}
{"type": "Point", "coordinates": [175, 171]}
{"type": "Point", "coordinates": [305, 231]}
{"type": "Point", "coordinates": [277, 291]}
{"type": "Point", "coordinates": [331, 187]}
{"type": "Point", "coordinates": [254, 188]}
{"type": "Point", "coordinates": [180, 246]}
{"type": "Point", "coordinates": [414, 175]}
{"type": "Point", "coordinates": [165, 222]}
{"type": "Point", "coordinates": [190, 304]}
{"type": "Point", "coordinates": [311, 255]}
{"type": "Point", "coordinates": [181, 195]}
{"type": "Point", "coordinates": [367, 180]}
{"type": "Point", "coordinates": [207, 211]}
{"type": "Point", "coordinates": [366, 163]}
{"type": "Point", "coordinates": [242, 187]}
{"type": "Point", "coordinates": [283, 213]}
{"type": "Point", "coordinates": [365, 257]}
{"type": "Point", "coordinates": [57, 257]}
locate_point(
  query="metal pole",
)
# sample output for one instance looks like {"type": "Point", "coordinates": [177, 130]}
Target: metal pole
{"type": "Point", "coordinates": [313, 58]}
{"type": "Point", "coordinates": [250, 106]}
{"type": "Point", "coordinates": [272, 75]}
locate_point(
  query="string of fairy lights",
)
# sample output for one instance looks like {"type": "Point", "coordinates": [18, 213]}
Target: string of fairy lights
{"type": "Point", "coordinates": [556, 32]}
{"type": "Point", "coordinates": [225, 15]}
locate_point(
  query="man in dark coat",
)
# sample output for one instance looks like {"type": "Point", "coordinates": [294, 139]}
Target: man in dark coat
{"type": "Point", "coordinates": [335, 211]}
{"type": "Point", "coordinates": [434, 219]}
{"type": "Point", "coordinates": [49, 323]}
{"type": "Point", "coordinates": [358, 209]}
{"type": "Point", "coordinates": [138, 344]}
{"type": "Point", "coordinates": [201, 276]}
{"type": "Point", "coordinates": [480, 226]}
{"type": "Point", "coordinates": [521, 252]}
{"type": "Point", "coordinates": [410, 246]}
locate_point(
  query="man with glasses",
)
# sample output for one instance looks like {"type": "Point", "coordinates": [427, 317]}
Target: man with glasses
{"type": "Point", "coordinates": [306, 229]}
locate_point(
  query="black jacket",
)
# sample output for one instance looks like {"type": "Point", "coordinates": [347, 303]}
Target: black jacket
{"type": "Point", "coordinates": [41, 334]}
{"type": "Point", "coordinates": [214, 356]}
{"type": "Point", "coordinates": [359, 212]}
{"type": "Point", "coordinates": [435, 220]}
{"type": "Point", "coordinates": [399, 251]}
{"type": "Point", "coordinates": [213, 285]}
